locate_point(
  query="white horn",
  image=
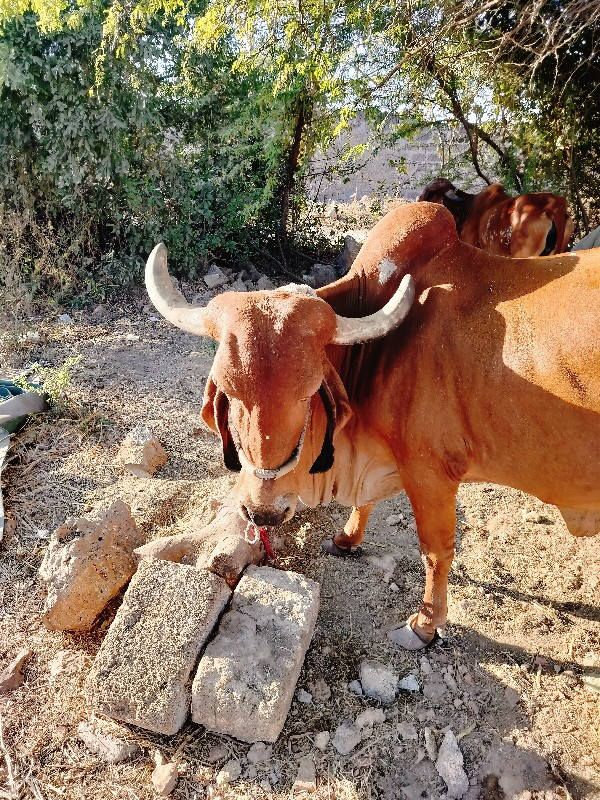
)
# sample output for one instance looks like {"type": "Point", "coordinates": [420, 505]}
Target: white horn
{"type": "Point", "coordinates": [167, 299]}
{"type": "Point", "coordinates": [363, 329]}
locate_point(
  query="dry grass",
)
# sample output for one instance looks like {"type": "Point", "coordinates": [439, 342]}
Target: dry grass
{"type": "Point", "coordinates": [518, 591]}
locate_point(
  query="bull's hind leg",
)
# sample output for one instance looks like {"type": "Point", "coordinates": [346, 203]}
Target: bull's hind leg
{"type": "Point", "coordinates": [434, 505]}
{"type": "Point", "coordinates": [342, 542]}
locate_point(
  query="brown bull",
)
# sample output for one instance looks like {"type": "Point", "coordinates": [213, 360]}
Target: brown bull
{"type": "Point", "coordinates": [494, 375]}
{"type": "Point", "coordinates": [528, 225]}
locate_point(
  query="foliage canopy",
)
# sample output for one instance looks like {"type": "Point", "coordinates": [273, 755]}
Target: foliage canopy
{"type": "Point", "coordinates": [194, 121]}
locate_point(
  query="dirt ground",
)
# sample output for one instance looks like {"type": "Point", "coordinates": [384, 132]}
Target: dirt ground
{"type": "Point", "coordinates": [508, 678]}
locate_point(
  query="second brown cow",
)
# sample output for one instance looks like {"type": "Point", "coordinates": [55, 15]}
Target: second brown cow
{"type": "Point", "coordinates": [519, 227]}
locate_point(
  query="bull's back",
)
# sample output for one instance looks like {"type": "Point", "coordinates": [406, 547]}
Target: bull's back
{"type": "Point", "coordinates": [540, 420]}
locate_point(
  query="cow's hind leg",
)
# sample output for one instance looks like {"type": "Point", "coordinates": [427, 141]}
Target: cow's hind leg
{"type": "Point", "coordinates": [434, 505]}
{"type": "Point", "coordinates": [342, 542]}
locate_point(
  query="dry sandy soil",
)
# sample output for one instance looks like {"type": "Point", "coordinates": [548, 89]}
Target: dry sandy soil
{"type": "Point", "coordinates": [508, 678]}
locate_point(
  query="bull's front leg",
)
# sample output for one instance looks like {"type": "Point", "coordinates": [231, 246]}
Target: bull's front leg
{"type": "Point", "coordinates": [434, 505]}
{"type": "Point", "coordinates": [354, 530]}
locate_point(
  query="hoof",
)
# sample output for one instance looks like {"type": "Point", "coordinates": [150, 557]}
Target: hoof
{"type": "Point", "coordinates": [330, 547]}
{"type": "Point", "coordinates": [408, 639]}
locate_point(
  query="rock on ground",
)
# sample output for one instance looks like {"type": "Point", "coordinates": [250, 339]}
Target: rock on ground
{"type": "Point", "coordinates": [165, 777]}
{"type": "Point", "coordinates": [87, 563]}
{"type": "Point", "coordinates": [449, 765]}
{"type": "Point", "coordinates": [246, 678]}
{"type": "Point", "coordinates": [306, 779]}
{"type": "Point", "coordinates": [370, 716]}
{"type": "Point", "coordinates": [378, 681]}
{"type": "Point", "coordinates": [107, 740]}
{"type": "Point", "coordinates": [322, 740]}
{"type": "Point", "coordinates": [346, 737]}
{"type": "Point", "coordinates": [141, 453]}
{"type": "Point", "coordinates": [141, 674]}
{"type": "Point", "coordinates": [259, 753]}
{"type": "Point", "coordinates": [230, 772]}
{"type": "Point", "coordinates": [12, 675]}
{"type": "Point", "coordinates": [215, 277]}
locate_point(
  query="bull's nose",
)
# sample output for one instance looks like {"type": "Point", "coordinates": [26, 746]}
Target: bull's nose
{"type": "Point", "coordinates": [264, 517]}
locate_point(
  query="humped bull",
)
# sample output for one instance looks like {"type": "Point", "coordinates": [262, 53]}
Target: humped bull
{"type": "Point", "coordinates": [536, 224]}
{"type": "Point", "coordinates": [429, 364]}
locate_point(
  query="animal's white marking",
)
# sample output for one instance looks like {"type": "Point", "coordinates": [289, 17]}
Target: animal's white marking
{"type": "Point", "coordinates": [386, 269]}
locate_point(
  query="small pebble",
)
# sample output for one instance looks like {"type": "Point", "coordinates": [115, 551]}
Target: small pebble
{"type": "Point", "coordinates": [370, 716]}
{"type": "Point", "coordinates": [217, 753]}
{"type": "Point", "coordinates": [165, 777]}
{"type": "Point", "coordinates": [409, 684]}
{"type": "Point", "coordinates": [430, 744]}
{"type": "Point", "coordinates": [304, 697]}
{"type": "Point", "coordinates": [356, 688]}
{"type": "Point", "coordinates": [346, 737]}
{"type": "Point", "coordinates": [322, 740]}
{"type": "Point", "coordinates": [230, 772]}
{"type": "Point", "coordinates": [259, 753]}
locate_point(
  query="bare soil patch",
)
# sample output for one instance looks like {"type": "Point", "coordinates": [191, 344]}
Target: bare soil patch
{"type": "Point", "coordinates": [524, 619]}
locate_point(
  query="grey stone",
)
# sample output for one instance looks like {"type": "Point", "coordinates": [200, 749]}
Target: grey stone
{"type": "Point", "coordinates": [306, 779]}
{"type": "Point", "coordinates": [356, 688]}
{"type": "Point", "coordinates": [346, 737]}
{"type": "Point", "coordinates": [107, 740]}
{"type": "Point", "coordinates": [430, 743]}
{"type": "Point", "coordinates": [214, 277]}
{"type": "Point", "coordinates": [322, 274]}
{"type": "Point", "coordinates": [238, 286]}
{"type": "Point", "coordinates": [349, 253]}
{"type": "Point", "coordinates": [87, 563]}
{"type": "Point", "coordinates": [434, 687]}
{"type": "Point", "coordinates": [304, 697]}
{"type": "Point", "coordinates": [409, 684]}
{"type": "Point", "coordinates": [322, 740]}
{"type": "Point", "coordinates": [230, 772]}
{"type": "Point", "coordinates": [370, 716]}
{"type": "Point", "coordinates": [393, 519]}
{"type": "Point", "coordinates": [449, 765]}
{"type": "Point", "coordinates": [141, 674]}
{"type": "Point", "coordinates": [406, 731]}
{"type": "Point", "coordinates": [217, 753]}
{"type": "Point", "coordinates": [246, 678]}
{"type": "Point", "coordinates": [378, 682]}
{"type": "Point", "coordinates": [264, 283]}
{"type": "Point", "coordinates": [259, 753]}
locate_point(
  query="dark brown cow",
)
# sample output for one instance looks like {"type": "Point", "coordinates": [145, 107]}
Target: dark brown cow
{"type": "Point", "coordinates": [519, 227]}
{"type": "Point", "coordinates": [494, 375]}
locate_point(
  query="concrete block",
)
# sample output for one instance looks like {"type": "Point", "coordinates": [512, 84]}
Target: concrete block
{"type": "Point", "coordinates": [247, 676]}
{"type": "Point", "coordinates": [142, 673]}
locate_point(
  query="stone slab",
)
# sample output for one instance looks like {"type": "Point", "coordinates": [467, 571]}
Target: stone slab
{"type": "Point", "coordinates": [142, 673]}
{"type": "Point", "coordinates": [247, 676]}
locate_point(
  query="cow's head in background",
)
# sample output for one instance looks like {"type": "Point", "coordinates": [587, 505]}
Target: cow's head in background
{"type": "Point", "coordinates": [272, 395]}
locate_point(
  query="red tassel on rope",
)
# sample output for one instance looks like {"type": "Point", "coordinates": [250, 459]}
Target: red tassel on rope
{"type": "Point", "coordinates": [264, 537]}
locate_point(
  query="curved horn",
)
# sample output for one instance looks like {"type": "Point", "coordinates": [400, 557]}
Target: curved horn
{"type": "Point", "coordinates": [167, 300]}
{"type": "Point", "coordinates": [363, 329]}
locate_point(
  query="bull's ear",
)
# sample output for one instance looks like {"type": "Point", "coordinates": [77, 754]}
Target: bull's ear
{"type": "Point", "coordinates": [324, 461]}
{"type": "Point", "coordinates": [338, 410]}
{"type": "Point", "coordinates": [221, 417]}
{"type": "Point", "coordinates": [208, 411]}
